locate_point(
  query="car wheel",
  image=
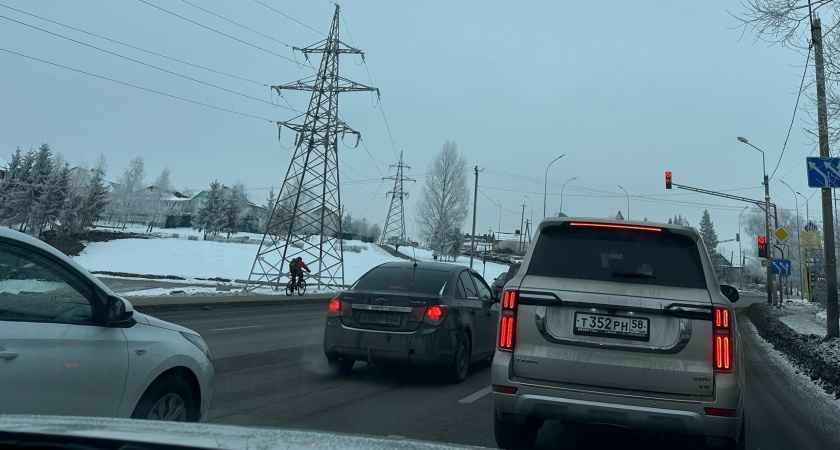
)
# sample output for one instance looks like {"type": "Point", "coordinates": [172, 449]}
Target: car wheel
{"type": "Point", "coordinates": [515, 436]}
{"type": "Point", "coordinates": [461, 364]}
{"type": "Point", "coordinates": [339, 366]}
{"type": "Point", "coordinates": [168, 399]}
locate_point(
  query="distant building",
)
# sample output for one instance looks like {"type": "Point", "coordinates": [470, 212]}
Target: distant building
{"type": "Point", "coordinates": [4, 166]}
{"type": "Point", "coordinates": [502, 241]}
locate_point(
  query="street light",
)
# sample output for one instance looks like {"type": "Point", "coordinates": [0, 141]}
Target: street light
{"type": "Point", "coordinates": [766, 218]}
{"type": "Point", "coordinates": [628, 201]}
{"type": "Point", "coordinates": [561, 192]}
{"type": "Point", "coordinates": [545, 181]}
{"type": "Point", "coordinates": [798, 236]}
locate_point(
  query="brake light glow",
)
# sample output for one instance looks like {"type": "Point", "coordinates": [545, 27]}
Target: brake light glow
{"type": "Point", "coordinates": [335, 305]}
{"type": "Point", "coordinates": [433, 315]}
{"type": "Point", "coordinates": [723, 344]}
{"type": "Point", "coordinates": [434, 312]}
{"type": "Point", "coordinates": [339, 308]}
{"type": "Point", "coordinates": [506, 324]}
{"type": "Point", "coordinates": [608, 225]}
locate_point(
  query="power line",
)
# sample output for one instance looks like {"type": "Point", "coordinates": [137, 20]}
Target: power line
{"type": "Point", "coordinates": [219, 32]}
{"type": "Point", "coordinates": [137, 61]}
{"type": "Point", "coordinates": [290, 18]}
{"type": "Point", "coordinates": [795, 108]}
{"type": "Point", "coordinates": [136, 87]}
{"type": "Point", "coordinates": [135, 47]}
{"type": "Point", "coordinates": [237, 24]}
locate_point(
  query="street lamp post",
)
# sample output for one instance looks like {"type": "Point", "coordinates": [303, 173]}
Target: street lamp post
{"type": "Point", "coordinates": [628, 201]}
{"type": "Point", "coordinates": [545, 181]}
{"type": "Point", "coordinates": [766, 219]}
{"type": "Point", "coordinates": [561, 192]}
{"type": "Point", "coordinates": [532, 209]}
{"type": "Point", "coordinates": [740, 253]}
{"type": "Point", "coordinates": [500, 216]}
{"type": "Point", "coordinates": [805, 250]}
{"type": "Point", "coordinates": [798, 236]}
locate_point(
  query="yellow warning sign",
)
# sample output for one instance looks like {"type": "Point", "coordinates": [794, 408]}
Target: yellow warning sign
{"type": "Point", "coordinates": [781, 234]}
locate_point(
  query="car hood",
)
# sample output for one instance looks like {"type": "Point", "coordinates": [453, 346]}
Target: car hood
{"type": "Point", "coordinates": [155, 322]}
{"type": "Point", "coordinates": [193, 435]}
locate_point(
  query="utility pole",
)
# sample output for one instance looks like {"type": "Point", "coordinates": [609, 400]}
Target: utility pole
{"type": "Point", "coordinates": [475, 206]}
{"type": "Point", "coordinates": [306, 213]}
{"type": "Point", "coordinates": [521, 227]}
{"type": "Point", "coordinates": [394, 230]}
{"type": "Point", "coordinates": [832, 329]}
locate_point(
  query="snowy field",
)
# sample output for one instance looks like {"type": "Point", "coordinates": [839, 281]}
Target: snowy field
{"type": "Point", "coordinates": [193, 259]}
{"type": "Point", "coordinates": [489, 271]}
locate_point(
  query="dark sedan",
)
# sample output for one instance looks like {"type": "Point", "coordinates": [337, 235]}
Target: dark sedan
{"type": "Point", "coordinates": [424, 313]}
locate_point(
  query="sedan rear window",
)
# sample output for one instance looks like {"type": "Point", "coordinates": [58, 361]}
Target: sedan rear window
{"type": "Point", "coordinates": [406, 279]}
{"type": "Point", "coordinates": [622, 255]}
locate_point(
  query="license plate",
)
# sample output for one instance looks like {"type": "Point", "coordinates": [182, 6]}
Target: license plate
{"type": "Point", "coordinates": [380, 319]}
{"type": "Point", "coordinates": [622, 327]}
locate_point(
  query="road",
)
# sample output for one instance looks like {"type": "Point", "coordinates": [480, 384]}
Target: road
{"type": "Point", "coordinates": [271, 372]}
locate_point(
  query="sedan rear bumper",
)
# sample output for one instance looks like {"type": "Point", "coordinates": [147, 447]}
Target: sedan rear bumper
{"type": "Point", "coordinates": [428, 346]}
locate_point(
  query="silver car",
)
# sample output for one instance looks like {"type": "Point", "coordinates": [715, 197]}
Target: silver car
{"type": "Point", "coordinates": [622, 324]}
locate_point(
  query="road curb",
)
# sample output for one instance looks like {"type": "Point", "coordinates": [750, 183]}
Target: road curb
{"type": "Point", "coordinates": [183, 306]}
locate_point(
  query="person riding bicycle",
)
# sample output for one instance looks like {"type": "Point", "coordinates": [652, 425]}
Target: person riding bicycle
{"type": "Point", "coordinates": [296, 268]}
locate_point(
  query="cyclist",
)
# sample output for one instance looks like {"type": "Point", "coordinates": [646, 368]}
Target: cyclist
{"type": "Point", "coordinates": [296, 268]}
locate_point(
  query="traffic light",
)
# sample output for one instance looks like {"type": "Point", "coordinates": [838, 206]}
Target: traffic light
{"type": "Point", "coordinates": [762, 247]}
{"type": "Point", "coordinates": [667, 180]}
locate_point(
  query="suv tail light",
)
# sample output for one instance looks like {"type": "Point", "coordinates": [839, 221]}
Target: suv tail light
{"type": "Point", "coordinates": [507, 321]}
{"type": "Point", "coordinates": [724, 346]}
{"type": "Point", "coordinates": [339, 308]}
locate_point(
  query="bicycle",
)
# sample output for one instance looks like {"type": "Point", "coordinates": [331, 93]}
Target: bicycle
{"type": "Point", "coordinates": [300, 288]}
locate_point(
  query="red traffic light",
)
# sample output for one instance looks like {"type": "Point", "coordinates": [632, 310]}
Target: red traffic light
{"type": "Point", "coordinates": [761, 239]}
{"type": "Point", "coordinates": [668, 180]}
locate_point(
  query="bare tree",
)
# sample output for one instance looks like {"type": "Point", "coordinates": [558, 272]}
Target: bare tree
{"type": "Point", "coordinates": [130, 190]}
{"type": "Point", "coordinates": [444, 199]}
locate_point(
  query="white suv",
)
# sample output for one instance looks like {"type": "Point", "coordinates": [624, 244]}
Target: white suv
{"type": "Point", "coordinates": [69, 346]}
{"type": "Point", "coordinates": [622, 324]}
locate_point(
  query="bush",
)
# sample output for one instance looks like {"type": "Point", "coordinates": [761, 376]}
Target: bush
{"type": "Point", "coordinates": [68, 245]}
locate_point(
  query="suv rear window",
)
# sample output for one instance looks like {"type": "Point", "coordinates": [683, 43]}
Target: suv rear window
{"type": "Point", "coordinates": [626, 256]}
{"type": "Point", "coordinates": [406, 279]}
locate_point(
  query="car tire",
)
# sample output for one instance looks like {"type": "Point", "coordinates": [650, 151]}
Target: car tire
{"type": "Point", "coordinates": [515, 436]}
{"type": "Point", "coordinates": [340, 366]}
{"type": "Point", "coordinates": [461, 364]}
{"type": "Point", "coordinates": [168, 399]}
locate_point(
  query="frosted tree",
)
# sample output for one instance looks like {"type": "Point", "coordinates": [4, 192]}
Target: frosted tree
{"type": "Point", "coordinates": [707, 232]}
{"type": "Point", "coordinates": [8, 188]}
{"type": "Point", "coordinates": [47, 208]}
{"type": "Point", "coordinates": [234, 208]}
{"type": "Point", "coordinates": [130, 190]}
{"type": "Point", "coordinates": [210, 217]}
{"type": "Point", "coordinates": [20, 197]}
{"type": "Point", "coordinates": [265, 213]}
{"type": "Point", "coordinates": [93, 205]}
{"type": "Point", "coordinates": [444, 199]}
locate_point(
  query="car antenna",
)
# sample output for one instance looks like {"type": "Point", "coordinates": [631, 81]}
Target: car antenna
{"type": "Point", "coordinates": [415, 256]}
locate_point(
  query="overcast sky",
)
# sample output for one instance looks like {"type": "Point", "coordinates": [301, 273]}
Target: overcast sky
{"type": "Point", "coordinates": [626, 90]}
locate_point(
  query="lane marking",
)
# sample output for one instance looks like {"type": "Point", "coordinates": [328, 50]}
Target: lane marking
{"type": "Point", "coordinates": [476, 396]}
{"type": "Point", "coordinates": [236, 328]}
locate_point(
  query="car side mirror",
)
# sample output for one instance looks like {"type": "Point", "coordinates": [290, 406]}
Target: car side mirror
{"type": "Point", "coordinates": [118, 312]}
{"type": "Point", "coordinates": [730, 292]}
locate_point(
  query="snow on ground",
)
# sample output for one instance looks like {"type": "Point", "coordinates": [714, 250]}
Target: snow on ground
{"type": "Point", "coordinates": [190, 290]}
{"type": "Point", "coordinates": [490, 271]}
{"type": "Point", "coordinates": [193, 259]}
{"type": "Point", "coordinates": [802, 319]}
{"type": "Point", "coordinates": [816, 395]}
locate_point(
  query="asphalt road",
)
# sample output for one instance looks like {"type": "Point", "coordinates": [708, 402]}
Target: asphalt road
{"type": "Point", "coordinates": [271, 372]}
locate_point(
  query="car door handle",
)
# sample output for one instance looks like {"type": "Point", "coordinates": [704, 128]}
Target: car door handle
{"type": "Point", "coordinates": [8, 355]}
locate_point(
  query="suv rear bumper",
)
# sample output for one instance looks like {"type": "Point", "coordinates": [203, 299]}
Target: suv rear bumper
{"type": "Point", "coordinates": [593, 406]}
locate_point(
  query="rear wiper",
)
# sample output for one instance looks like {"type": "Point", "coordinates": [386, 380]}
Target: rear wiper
{"type": "Point", "coordinates": [631, 275]}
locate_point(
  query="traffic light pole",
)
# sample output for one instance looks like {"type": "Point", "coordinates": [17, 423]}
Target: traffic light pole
{"type": "Point", "coordinates": [769, 287]}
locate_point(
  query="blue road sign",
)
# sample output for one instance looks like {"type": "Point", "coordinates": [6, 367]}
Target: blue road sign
{"type": "Point", "coordinates": [823, 172]}
{"type": "Point", "coordinates": [780, 266]}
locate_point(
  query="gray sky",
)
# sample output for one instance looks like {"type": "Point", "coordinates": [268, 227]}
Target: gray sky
{"type": "Point", "coordinates": [626, 90]}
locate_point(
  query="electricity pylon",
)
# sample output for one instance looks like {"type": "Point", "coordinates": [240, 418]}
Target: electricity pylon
{"type": "Point", "coordinates": [305, 220]}
{"type": "Point", "coordinates": [394, 230]}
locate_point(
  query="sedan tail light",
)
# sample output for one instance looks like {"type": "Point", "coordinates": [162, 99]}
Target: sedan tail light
{"type": "Point", "coordinates": [724, 353]}
{"type": "Point", "coordinates": [339, 308]}
{"type": "Point", "coordinates": [508, 321]}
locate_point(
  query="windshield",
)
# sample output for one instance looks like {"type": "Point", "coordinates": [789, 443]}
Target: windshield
{"type": "Point", "coordinates": [210, 210]}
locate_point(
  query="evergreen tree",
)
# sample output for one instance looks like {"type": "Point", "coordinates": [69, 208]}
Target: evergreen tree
{"type": "Point", "coordinates": [8, 185]}
{"type": "Point", "coordinates": [20, 198]}
{"type": "Point", "coordinates": [70, 216]}
{"type": "Point", "coordinates": [48, 206]}
{"type": "Point", "coordinates": [235, 203]}
{"type": "Point", "coordinates": [707, 232]}
{"type": "Point", "coordinates": [210, 216]}
{"type": "Point", "coordinates": [94, 203]}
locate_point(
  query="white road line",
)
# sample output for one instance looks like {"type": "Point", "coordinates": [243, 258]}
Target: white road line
{"type": "Point", "coordinates": [476, 396]}
{"type": "Point", "coordinates": [236, 328]}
